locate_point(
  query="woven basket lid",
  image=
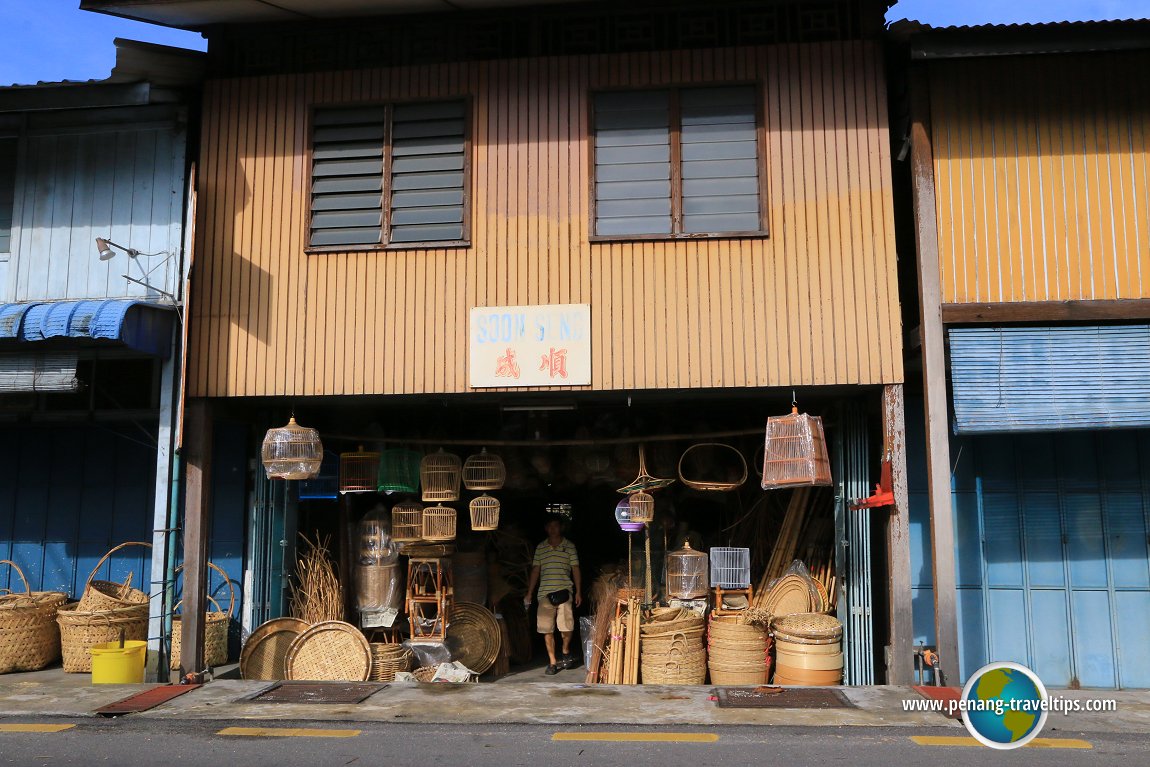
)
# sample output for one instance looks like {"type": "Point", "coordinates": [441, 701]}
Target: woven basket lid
{"type": "Point", "coordinates": [265, 652]}
{"type": "Point", "coordinates": [330, 651]}
{"type": "Point", "coordinates": [792, 594]}
{"type": "Point", "coordinates": [808, 626]}
{"type": "Point", "coordinates": [475, 632]}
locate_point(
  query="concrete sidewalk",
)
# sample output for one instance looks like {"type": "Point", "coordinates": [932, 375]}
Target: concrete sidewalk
{"type": "Point", "coordinates": [561, 703]}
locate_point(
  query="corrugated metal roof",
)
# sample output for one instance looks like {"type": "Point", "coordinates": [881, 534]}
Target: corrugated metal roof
{"type": "Point", "coordinates": [913, 26]}
{"type": "Point", "coordinates": [931, 42]}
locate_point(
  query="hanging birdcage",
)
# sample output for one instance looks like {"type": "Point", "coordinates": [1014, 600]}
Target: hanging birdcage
{"type": "Point", "coordinates": [407, 521]}
{"type": "Point", "coordinates": [398, 471]}
{"type": "Point", "coordinates": [439, 523]}
{"type": "Point", "coordinates": [623, 517]}
{"type": "Point", "coordinates": [795, 451]}
{"type": "Point", "coordinates": [484, 471]}
{"type": "Point", "coordinates": [325, 485]}
{"type": "Point", "coordinates": [358, 471]}
{"type": "Point", "coordinates": [642, 507]}
{"type": "Point", "coordinates": [292, 452]}
{"type": "Point", "coordinates": [439, 474]}
{"type": "Point", "coordinates": [484, 513]}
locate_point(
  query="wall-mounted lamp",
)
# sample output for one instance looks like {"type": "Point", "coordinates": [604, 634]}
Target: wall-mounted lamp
{"type": "Point", "coordinates": [105, 248]}
{"type": "Point", "coordinates": [107, 254]}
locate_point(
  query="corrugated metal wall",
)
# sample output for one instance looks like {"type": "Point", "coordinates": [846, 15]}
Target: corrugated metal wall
{"type": "Point", "coordinates": [1042, 169]}
{"type": "Point", "coordinates": [815, 303]}
{"type": "Point", "coordinates": [77, 184]}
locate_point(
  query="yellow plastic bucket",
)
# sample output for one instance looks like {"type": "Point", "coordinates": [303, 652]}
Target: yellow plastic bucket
{"type": "Point", "coordinates": [112, 664]}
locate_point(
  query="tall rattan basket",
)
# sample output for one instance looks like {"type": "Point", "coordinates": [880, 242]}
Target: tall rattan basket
{"type": "Point", "coordinates": [439, 523]}
{"type": "Point", "coordinates": [439, 473]}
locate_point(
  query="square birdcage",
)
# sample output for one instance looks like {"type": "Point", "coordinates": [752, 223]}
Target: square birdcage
{"type": "Point", "coordinates": [358, 471]}
{"type": "Point", "coordinates": [484, 471]}
{"type": "Point", "coordinates": [325, 486]}
{"type": "Point", "coordinates": [407, 521]}
{"type": "Point", "coordinates": [398, 471]}
{"type": "Point", "coordinates": [795, 452]}
{"type": "Point", "coordinates": [730, 567]}
{"type": "Point", "coordinates": [484, 513]}
{"type": "Point", "coordinates": [439, 523]}
{"type": "Point", "coordinates": [439, 474]}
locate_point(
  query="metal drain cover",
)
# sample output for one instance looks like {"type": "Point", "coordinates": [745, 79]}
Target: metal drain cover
{"type": "Point", "coordinates": [781, 697]}
{"type": "Point", "coordinates": [317, 692]}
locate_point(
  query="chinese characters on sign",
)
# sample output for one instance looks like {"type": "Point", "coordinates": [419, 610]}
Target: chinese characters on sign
{"type": "Point", "coordinates": [530, 345]}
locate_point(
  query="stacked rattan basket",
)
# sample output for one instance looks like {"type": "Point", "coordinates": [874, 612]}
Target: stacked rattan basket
{"type": "Point", "coordinates": [808, 649]}
{"type": "Point", "coordinates": [29, 639]}
{"type": "Point", "coordinates": [737, 653]}
{"type": "Point", "coordinates": [672, 650]}
{"type": "Point", "coordinates": [106, 612]}
{"type": "Point", "coordinates": [387, 660]}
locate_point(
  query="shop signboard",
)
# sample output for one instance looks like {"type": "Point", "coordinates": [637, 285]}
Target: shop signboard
{"type": "Point", "coordinates": [535, 346]}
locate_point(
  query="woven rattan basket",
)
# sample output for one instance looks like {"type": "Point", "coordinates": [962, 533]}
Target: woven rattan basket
{"type": "Point", "coordinates": [331, 651]}
{"type": "Point", "coordinates": [82, 630]}
{"type": "Point", "coordinates": [264, 656]}
{"type": "Point", "coordinates": [109, 595]}
{"type": "Point", "coordinates": [387, 660]}
{"type": "Point", "coordinates": [737, 654]}
{"type": "Point", "coordinates": [674, 667]}
{"type": "Point", "coordinates": [484, 471]}
{"type": "Point", "coordinates": [29, 637]}
{"type": "Point", "coordinates": [407, 521]}
{"type": "Point", "coordinates": [715, 457]}
{"type": "Point", "coordinates": [439, 474]}
{"type": "Point", "coordinates": [439, 523]}
{"type": "Point", "coordinates": [474, 634]}
{"type": "Point", "coordinates": [811, 626]}
{"type": "Point", "coordinates": [484, 513]}
{"type": "Point", "coordinates": [216, 624]}
{"type": "Point", "coordinates": [359, 471]}
{"type": "Point", "coordinates": [424, 673]}
{"type": "Point", "coordinates": [398, 471]}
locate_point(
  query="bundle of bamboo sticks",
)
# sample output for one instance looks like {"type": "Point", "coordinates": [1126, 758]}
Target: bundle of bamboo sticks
{"type": "Point", "coordinates": [317, 595]}
{"type": "Point", "coordinates": [622, 655]}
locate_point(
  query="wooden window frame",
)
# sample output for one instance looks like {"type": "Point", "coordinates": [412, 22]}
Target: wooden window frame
{"type": "Point", "coordinates": [385, 225]}
{"type": "Point", "coordinates": [676, 126]}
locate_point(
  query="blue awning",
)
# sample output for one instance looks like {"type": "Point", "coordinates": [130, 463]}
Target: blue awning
{"type": "Point", "coordinates": [140, 325]}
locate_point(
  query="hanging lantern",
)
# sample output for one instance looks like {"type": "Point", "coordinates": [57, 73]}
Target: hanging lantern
{"type": "Point", "coordinates": [795, 451]}
{"type": "Point", "coordinates": [292, 452]}
{"type": "Point", "coordinates": [642, 507]}
{"type": "Point", "coordinates": [623, 517]}
{"type": "Point", "coordinates": [484, 513]}
{"type": "Point", "coordinates": [483, 471]}
{"type": "Point", "coordinates": [358, 471]}
{"type": "Point", "coordinates": [439, 474]}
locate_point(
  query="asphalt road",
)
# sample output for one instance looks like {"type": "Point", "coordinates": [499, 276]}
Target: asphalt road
{"type": "Point", "coordinates": [133, 741]}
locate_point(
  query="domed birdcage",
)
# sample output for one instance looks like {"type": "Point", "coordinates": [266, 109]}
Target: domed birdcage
{"type": "Point", "coordinates": [358, 471]}
{"type": "Point", "coordinates": [292, 452]}
{"type": "Point", "coordinates": [642, 507]}
{"type": "Point", "coordinates": [439, 523]}
{"type": "Point", "coordinates": [623, 517]}
{"type": "Point", "coordinates": [687, 573]}
{"type": "Point", "coordinates": [407, 521]}
{"type": "Point", "coordinates": [484, 513]}
{"type": "Point", "coordinates": [439, 473]}
{"type": "Point", "coordinates": [484, 471]}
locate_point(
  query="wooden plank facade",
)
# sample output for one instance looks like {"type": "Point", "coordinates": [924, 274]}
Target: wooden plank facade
{"type": "Point", "coordinates": [1043, 180]}
{"type": "Point", "coordinates": [814, 302]}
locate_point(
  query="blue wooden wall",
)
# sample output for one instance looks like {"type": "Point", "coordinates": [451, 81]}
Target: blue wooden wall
{"type": "Point", "coordinates": [1053, 559]}
{"type": "Point", "coordinates": [124, 183]}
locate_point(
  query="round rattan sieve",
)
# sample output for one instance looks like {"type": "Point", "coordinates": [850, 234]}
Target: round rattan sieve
{"type": "Point", "coordinates": [330, 651]}
{"type": "Point", "coordinates": [265, 653]}
{"type": "Point", "coordinates": [808, 626]}
{"type": "Point", "coordinates": [475, 632]}
{"type": "Point", "coordinates": [792, 594]}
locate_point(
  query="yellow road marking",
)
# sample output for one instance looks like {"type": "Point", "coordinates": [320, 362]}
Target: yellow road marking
{"type": "Point", "coordinates": [287, 732]}
{"type": "Point", "coordinates": [639, 737]}
{"type": "Point", "coordinates": [35, 727]}
{"type": "Point", "coordinates": [954, 740]}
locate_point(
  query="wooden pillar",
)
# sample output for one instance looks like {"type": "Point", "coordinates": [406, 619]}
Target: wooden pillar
{"type": "Point", "coordinates": [900, 665]}
{"type": "Point", "coordinates": [934, 377]}
{"type": "Point", "coordinates": [197, 526]}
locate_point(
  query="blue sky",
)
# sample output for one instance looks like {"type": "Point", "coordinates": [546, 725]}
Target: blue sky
{"type": "Point", "coordinates": [54, 40]}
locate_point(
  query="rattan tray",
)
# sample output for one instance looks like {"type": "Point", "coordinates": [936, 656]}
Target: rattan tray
{"type": "Point", "coordinates": [808, 626]}
{"type": "Point", "coordinates": [331, 651]}
{"type": "Point", "coordinates": [265, 652]}
{"type": "Point", "coordinates": [792, 594]}
{"type": "Point", "coordinates": [474, 631]}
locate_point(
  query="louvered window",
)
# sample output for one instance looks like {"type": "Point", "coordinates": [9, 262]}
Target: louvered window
{"type": "Point", "coordinates": [418, 148]}
{"type": "Point", "coordinates": [682, 162]}
{"type": "Point", "coordinates": [7, 191]}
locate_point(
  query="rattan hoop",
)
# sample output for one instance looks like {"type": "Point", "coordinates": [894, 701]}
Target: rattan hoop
{"type": "Point", "coordinates": [439, 473]}
{"type": "Point", "coordinates": [484, 513]}
{"type": "Point", "coordinates": [330, 651]}
{"type": "Point", "coordinates": [407, 521]}
{"type": "Point", "coordinates": [484, 471]}
{"type": "Point", "coordinates": [475, 632]}
{"type": "Point", "coordinates": [716, 485]}
{"type": "Point", "coordinates": [264, 656]}
{"type": "Point", "coordinates": [439, 523]}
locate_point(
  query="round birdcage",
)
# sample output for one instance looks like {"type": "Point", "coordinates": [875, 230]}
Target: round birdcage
{"type": "Point", "coordinates": [439, 473]}
{"type": "Point", "coordinates": [358, 471]}
{"type": "Point", "coordinates": [642, 507]}
{"type": "Point", "coordinates": [407, 521]}
{"type": "Point", "coordinates": [398, 471]}
{"type": "Point", "coordinates": [439, 523]}
{"type": "Point", "coordinates": [623, 517]}
{"type": "Point", "coordinates": [484, 471]}
{"type": "Point", "coordinates": [484, 513]}
{"type": "Point", "coordinates": [292, 452]}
